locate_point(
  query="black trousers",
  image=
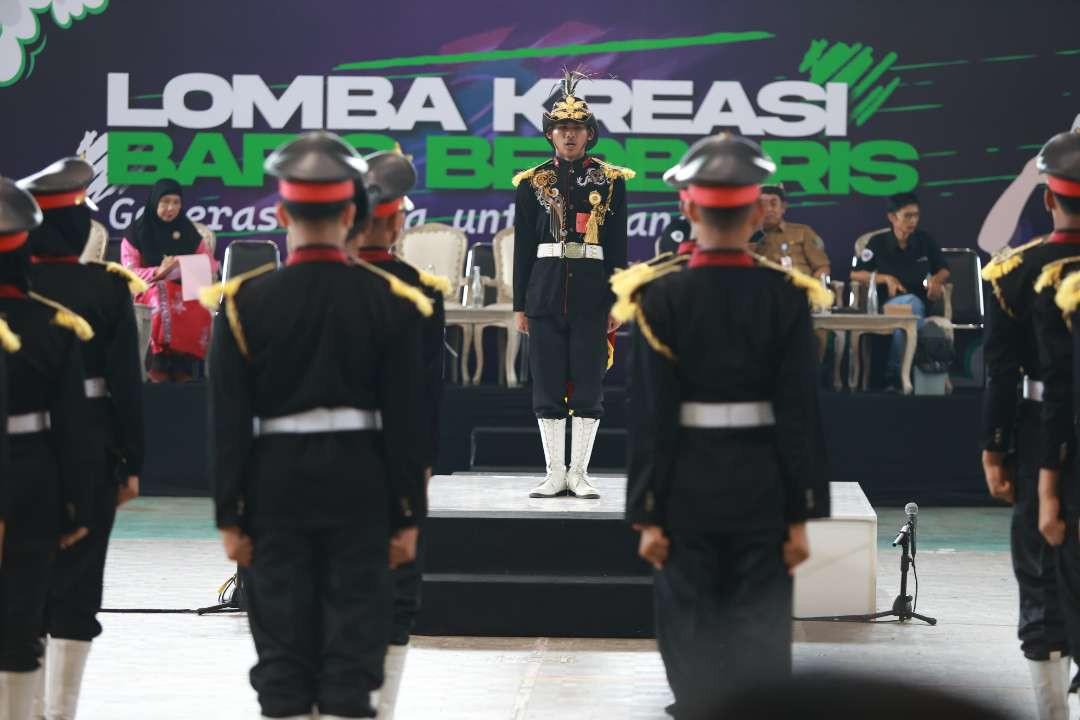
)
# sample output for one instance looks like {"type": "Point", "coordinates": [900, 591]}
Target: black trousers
{"type": "Point", "coordinates": [723, 617]}
{"type": "Point", "coordinates": [568, 350]}
{"type": "Point", "coordinates": [1041, 625]}
{"type": "Point", "coordinates": [79, 573]}
{"type": "Point", "coordinates": [32, 529]}
{"type": "Point", "coordinates": [406, 582]}
{"type": "Point", "coordinates": [319, 606]}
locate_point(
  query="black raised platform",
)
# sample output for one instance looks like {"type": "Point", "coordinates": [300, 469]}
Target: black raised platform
{"type": "Point", "coordinates": [499, 563]}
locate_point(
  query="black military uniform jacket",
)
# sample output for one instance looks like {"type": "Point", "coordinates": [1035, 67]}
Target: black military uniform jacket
{"type": "Point", "coordinates": [3, 429]}
{"type": "Point", "coordinates": [100, 294]}
{"type": "Point", "coordinates": [46, 375]}
{"type": "Point", "coordinates": [315, 334]}
{"type": "Point", "coordinates": [434, 328]}
{"type": "Point", "coordinates": [556, 202]}
{"type": "Point", "coordinates": [724, 333]}
{"type": "Point", "coordinates": [1056, 353]}
{"type": "Point", "coordinates": [1011, 348]}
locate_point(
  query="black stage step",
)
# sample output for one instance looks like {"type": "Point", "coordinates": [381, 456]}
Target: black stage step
{"type": "Point", "coordinates": [499, 563]}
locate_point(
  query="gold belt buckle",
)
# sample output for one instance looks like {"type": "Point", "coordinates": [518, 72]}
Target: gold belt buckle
{"type": "Point", "coordinates": [574, 251]}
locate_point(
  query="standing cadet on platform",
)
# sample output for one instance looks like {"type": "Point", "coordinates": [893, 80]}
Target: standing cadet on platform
{"type": "Point", "coordinates": [727, 459]}
{"type": "Point", "coordinates": [569, 237]}
{"type": "Point", "coordinates": [389, 177]}
{"type": "Point", "coordinates": [313, 406]}
{"type": "Point", "coordinates": [1059, 488]}
{"type": "Point", "coordinates": [1012, 442]}
{"type": "Point", "coordinates": [46, 504]}
{"type": "Point", "coordinates": [101, 293]}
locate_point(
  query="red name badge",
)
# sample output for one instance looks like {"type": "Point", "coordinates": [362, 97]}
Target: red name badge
{"type": "Point", "coordinates": [582, 220]}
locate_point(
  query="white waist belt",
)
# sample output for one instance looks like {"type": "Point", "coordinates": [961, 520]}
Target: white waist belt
{"type": "Point", "coordinates": [29, 423]}
{"type": "Point", "coordinates": [726, 415]}
{"type": "Point", "coordinates": [320, 420]}
{"type": "Point", "coordinates": [572, 250]}
{"type": "Point", "coordinates": [96, 388]}
{"type": "Point", "coordinates": [1033, 389]}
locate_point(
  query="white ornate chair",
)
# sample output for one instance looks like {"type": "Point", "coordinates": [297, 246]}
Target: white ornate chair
{"type": "Point", "coordinates": [97, 243]}
{"type": "Point", "coordinates": [440, 250]}
{"type": "Point", "coordinates": [503, 246]}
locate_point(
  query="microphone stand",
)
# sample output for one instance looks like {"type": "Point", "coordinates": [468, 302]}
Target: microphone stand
{"type": "Point", "coordinates": [901, 607]}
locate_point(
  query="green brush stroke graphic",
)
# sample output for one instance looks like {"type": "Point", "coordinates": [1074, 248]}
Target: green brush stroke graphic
{"type": "Point", "coordinates": [912, 108]}
{"type": "Point", "coordinates": [23, 44]}
{"type": "Point", "coordinates": [854, 66]}
{"type": "Point", "coordinates": [615, 46]}
{"type": "Point", "coordinates": [923, 66]}
{"type": "Point", "coordinates": [969, 181]}
{"type": "Point", "coordinates": [1008, 58]}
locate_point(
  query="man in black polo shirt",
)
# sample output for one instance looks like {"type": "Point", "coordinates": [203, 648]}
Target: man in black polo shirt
{"type": "Point", "coordinates": [907, 267]}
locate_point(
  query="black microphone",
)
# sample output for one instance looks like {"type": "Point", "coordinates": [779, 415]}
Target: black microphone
{"type": "Point", "coordinates": [912, 511]}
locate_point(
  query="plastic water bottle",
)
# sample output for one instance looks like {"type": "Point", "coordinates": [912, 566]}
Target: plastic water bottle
{"type": "Point", "coordinates": [871, 295]}
{"type": "Point", "coordinates": [476, 289]}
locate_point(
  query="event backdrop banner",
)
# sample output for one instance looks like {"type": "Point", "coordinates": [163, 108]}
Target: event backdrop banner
{"type": "Point", "coordinates": [854, 100]}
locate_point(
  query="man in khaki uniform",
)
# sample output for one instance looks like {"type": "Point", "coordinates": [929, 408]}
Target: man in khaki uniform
{"type": "Point", "coordinates": [792, 245]}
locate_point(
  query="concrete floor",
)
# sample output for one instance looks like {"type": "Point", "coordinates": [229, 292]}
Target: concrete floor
{"type": "Point", "coordinates": [165, 555]}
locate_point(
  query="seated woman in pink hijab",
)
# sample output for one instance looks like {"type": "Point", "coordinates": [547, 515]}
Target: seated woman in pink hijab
{"type": "Point", "coordinates": [179, 330]}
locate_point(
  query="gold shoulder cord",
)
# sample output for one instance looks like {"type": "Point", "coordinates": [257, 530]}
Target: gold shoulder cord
{"type": "Point", "coordinates": [1003, 263]}
{"type": "Point", "coordinates": [1067, 297]}
{"type": "Point", "coordinates": [9, 341]}
{"type": "Point", "coordinates": [135, 283]}
{"type": "Point", "coordinates": [401, 288]}
{"type": "Point", "coordinates": [66, 318]}
{"type": "Point", "coordinates": [818, 294]}
{"type": "Point", "coordinates": [1051, 273]}
{"type": "Point", "coordinates": [211, 297]}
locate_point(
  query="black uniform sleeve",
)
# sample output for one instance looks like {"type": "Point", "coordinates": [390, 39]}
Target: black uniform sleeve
{"type": "Point", "coordinates": [69, 414]}
{"type": "Point", "coordinates": [526, 237]}
{"type": "Point", "coordinates": [799, 428]}
{"type": "Point", "coordinates": [870, 265]}
{"type": "Point", "coordinates": [434, 329]}
{"type": "Point", "coordinates": [231, 432]}
{"type": "Point", "coordinates": [402, 409]}
{"type": "Point", "coordinates": [614, 240]}
{"type": "Point", "coordinates": [3, 435]}
{"type": "Point", "coordinates": [1055, 356]}
{"type": "Point", "coordinates": [124, 379]}
{"type": "Point", "coordinates": [654, 418]}
{"type": "Point", "coordinates": [1002, 369]}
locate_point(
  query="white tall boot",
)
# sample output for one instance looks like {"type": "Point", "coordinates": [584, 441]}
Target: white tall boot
{"type": "Point", "coordinates": [583, 435]}
{"type": "Point", "coordinates": [1050, 681]}
{"type": "Point", "coordinates": [17, 694]}
{"type": "Point", "coordinates": [66, 663]}
{"type": "Point", "coordinates": [393, 672]}
{"type": "Point", "coordinates": [553, 437]}
{"type": "Point", "coordinates": [37, 711]}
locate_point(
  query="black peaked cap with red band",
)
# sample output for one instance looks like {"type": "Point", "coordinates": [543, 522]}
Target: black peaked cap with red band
{"type": "Point", "coordinates": [722, 170]}
{"type": "Point", "coordinates": [19, 214]}
{"type": "Point", "coordinates": [317, 167]}
{"type": "Point", "coordinates": [1059, 160]}
{"type": "Point", "coordinates": [62, 184]}
{"type": "Point", "coordinates": [388, 180]}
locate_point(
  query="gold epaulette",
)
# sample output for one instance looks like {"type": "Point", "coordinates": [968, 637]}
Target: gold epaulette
{"type": "Point", "coordinates": [818, 294]}
{"type": "Point", "coordinates": [135, 283]}
{"type": "Point", "coordinates": [1051, 273]}
{"type": "Point", "coordinates": [8, 339]}
{"type": "Point", "coordinates": [526, 174]}
{"type": "Point", "coordinates": [1007, 260]}
{"type": "Point", "coordinates": [66, 318]}
{"type": "Point", "coordinates": [614, 172]}
{"type": "Point", "coordinates": [215, 294]}
{"type": "Point", "coordinates": [1068, 296]}
{"type": "Point", "coordinates": [400, 288]}
{"type": "Point", "coordinates": [438, 283]}
{"type": "Point", "coordinates": [626, 283]}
